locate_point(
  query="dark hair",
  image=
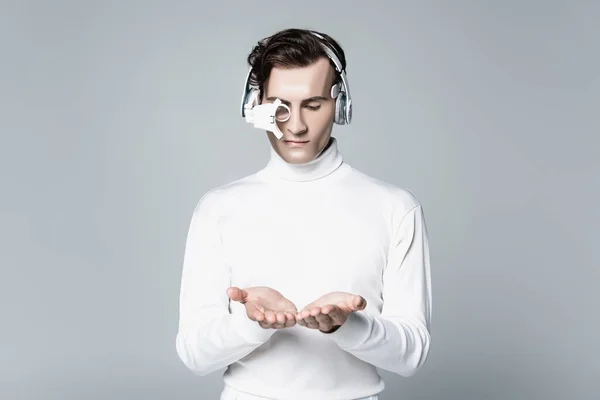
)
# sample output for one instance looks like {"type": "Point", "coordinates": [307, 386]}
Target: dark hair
{"type": "Point", "coordinates": [287, 49]}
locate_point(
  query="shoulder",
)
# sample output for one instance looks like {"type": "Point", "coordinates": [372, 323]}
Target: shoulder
{"type": "Point", "coordinates": [400, 198]}
{"type": "Point", "coordinates": [218, 198]}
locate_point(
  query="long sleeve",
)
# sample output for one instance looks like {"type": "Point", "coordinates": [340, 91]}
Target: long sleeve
{"type": "Point", "coordinates": [398, 340]}
{"type": "Point", "coordinates": [209, 336]}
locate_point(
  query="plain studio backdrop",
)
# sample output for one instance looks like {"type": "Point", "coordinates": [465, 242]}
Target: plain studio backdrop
{"type": "Point", "coordinates": [117, 116]}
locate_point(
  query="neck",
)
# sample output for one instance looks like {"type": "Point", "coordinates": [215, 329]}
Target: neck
{"type": "Point", "coordinates": [324, 164]}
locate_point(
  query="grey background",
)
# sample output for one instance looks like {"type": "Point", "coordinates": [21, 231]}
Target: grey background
{"type": "Point", "coordinates": [116, 116]}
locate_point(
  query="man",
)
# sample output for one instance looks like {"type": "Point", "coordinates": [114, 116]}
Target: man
{"type": "Point", "coordinates": [308, 275]}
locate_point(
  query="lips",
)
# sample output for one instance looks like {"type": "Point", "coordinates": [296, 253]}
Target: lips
{"type": "Point", "coordinates": [296, 141]}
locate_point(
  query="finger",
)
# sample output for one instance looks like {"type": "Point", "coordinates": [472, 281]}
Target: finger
{"type": "Point", "coordinates": [300, 320]}
{"type": "Point", "coordinates": [311, 322]}
{"type": "Point", "coordinates": [265, 325]}
{"type": "Point", "coordinates": [356, 303]}
{"type": "Point", "coordinates": [269, 320]}
{"type": "Point", "coordinates": [272, 325]}
{"type": "Point", "coordinates": [325, 322]}
{"type": "Point", "coordinates": [290, 319]}
{"type": "Point", "coordinates": [281, 318]}
{"type": "Point", "coordinates": [315, 311]}
{"type": "Point", "coordinates": [270, 317]}
{"type": "Point", "coordinates": [359, 303]}
{"type": "Point", "coordinates": [255, 314]}
{"type": "Point", "coordinates": [290, 316]}
{"type": "Point", "coordinates": [327, 309]}
{"type": "Point", "coordinates": [237, 294]}
{"type": "Point", "coordinates": [308, 316]}
{"type": "Point", "coordinates": [338, 316]}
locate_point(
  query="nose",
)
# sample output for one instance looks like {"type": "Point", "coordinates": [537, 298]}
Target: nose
{"type": "Point", "coordinates": [295, 124]}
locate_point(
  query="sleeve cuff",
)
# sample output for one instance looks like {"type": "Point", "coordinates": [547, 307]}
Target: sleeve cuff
{"type": "Point", "coordinates": [250, 330]}
{"type": "Point", "coordinates": [354, 331]}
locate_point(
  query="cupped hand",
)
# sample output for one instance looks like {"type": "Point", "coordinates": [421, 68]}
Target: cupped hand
{"type": "Point", "coordinates": [266, 306]}
{"type": "Point", "coordinates": [330, 311]}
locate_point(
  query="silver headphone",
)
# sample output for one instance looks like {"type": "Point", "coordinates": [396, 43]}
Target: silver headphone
{"type": "Point", "coordinates": [339, 91]}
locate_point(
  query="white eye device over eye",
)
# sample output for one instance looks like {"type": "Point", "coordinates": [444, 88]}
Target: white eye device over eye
{"type": "Point", "coordinates": [266, 116]}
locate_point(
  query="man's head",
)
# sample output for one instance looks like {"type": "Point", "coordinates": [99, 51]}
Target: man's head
{"type": "Point", "coordinates": [292, 65]}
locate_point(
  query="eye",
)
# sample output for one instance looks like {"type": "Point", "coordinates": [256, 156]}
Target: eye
{"type": "Point", "coordinates": [313, 108]}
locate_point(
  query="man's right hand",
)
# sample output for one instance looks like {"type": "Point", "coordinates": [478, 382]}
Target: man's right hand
{"type": "Point", "coordinates": [266, 306]}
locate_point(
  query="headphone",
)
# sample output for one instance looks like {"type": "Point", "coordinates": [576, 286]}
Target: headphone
{"type": "Point", "coordinates": [339, 91]}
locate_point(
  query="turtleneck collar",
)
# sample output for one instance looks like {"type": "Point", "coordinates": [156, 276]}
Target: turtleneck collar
{"type": "Point", "coordinates": [325, 163]}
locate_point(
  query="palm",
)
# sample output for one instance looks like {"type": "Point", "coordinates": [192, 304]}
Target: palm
{"type": "Point", "coordinates": [266, 298]}
{"type": "Point", "coordinates": [345, 301]}
{"type": "Point", "coordinates": [265, 305]}
{"type": "Point", "coordinates": [330, 311]}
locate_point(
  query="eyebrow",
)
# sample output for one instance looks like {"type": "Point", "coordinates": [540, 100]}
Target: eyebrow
{"type": "Point", "coordinates": [309, 100]}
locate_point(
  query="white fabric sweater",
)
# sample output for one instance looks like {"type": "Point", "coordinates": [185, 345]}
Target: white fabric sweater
{"type": "Point", "coordinates": [306, 230]}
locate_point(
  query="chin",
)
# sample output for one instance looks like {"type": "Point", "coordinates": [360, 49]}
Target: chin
{"type": "Point", "coordinates": [297, 156]}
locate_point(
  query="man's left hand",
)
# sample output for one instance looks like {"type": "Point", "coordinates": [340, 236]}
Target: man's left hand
{"type": "Point", "coordinates": [330, 311]}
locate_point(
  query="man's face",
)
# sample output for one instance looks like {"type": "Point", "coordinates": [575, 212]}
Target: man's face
{"type": "Point", "coordinates": [307, 92]}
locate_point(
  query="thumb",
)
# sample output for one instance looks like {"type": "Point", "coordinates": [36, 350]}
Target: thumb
{"type": "Point", "coordinates": [237, 294]}
{"type": "Point", "coordinates": [357, 303]}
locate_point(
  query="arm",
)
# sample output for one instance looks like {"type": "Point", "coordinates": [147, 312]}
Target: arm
{"type": "Point", "coordinates": [209, 336]}
{"type": "Point", "coordinates": [399, 340]}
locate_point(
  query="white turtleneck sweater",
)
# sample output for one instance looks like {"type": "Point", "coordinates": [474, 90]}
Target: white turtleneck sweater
{"type": "Point", "coordinates": [307, 230]}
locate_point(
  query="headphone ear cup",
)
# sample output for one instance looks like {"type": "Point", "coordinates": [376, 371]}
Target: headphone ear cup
{"type": "Point", "coordinates": [340, 109]}
{"type": "Point", "coordinates": [251, 98]}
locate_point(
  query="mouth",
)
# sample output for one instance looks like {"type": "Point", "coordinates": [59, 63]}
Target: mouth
{"type": "Point", "coordinates": [295, 143]}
